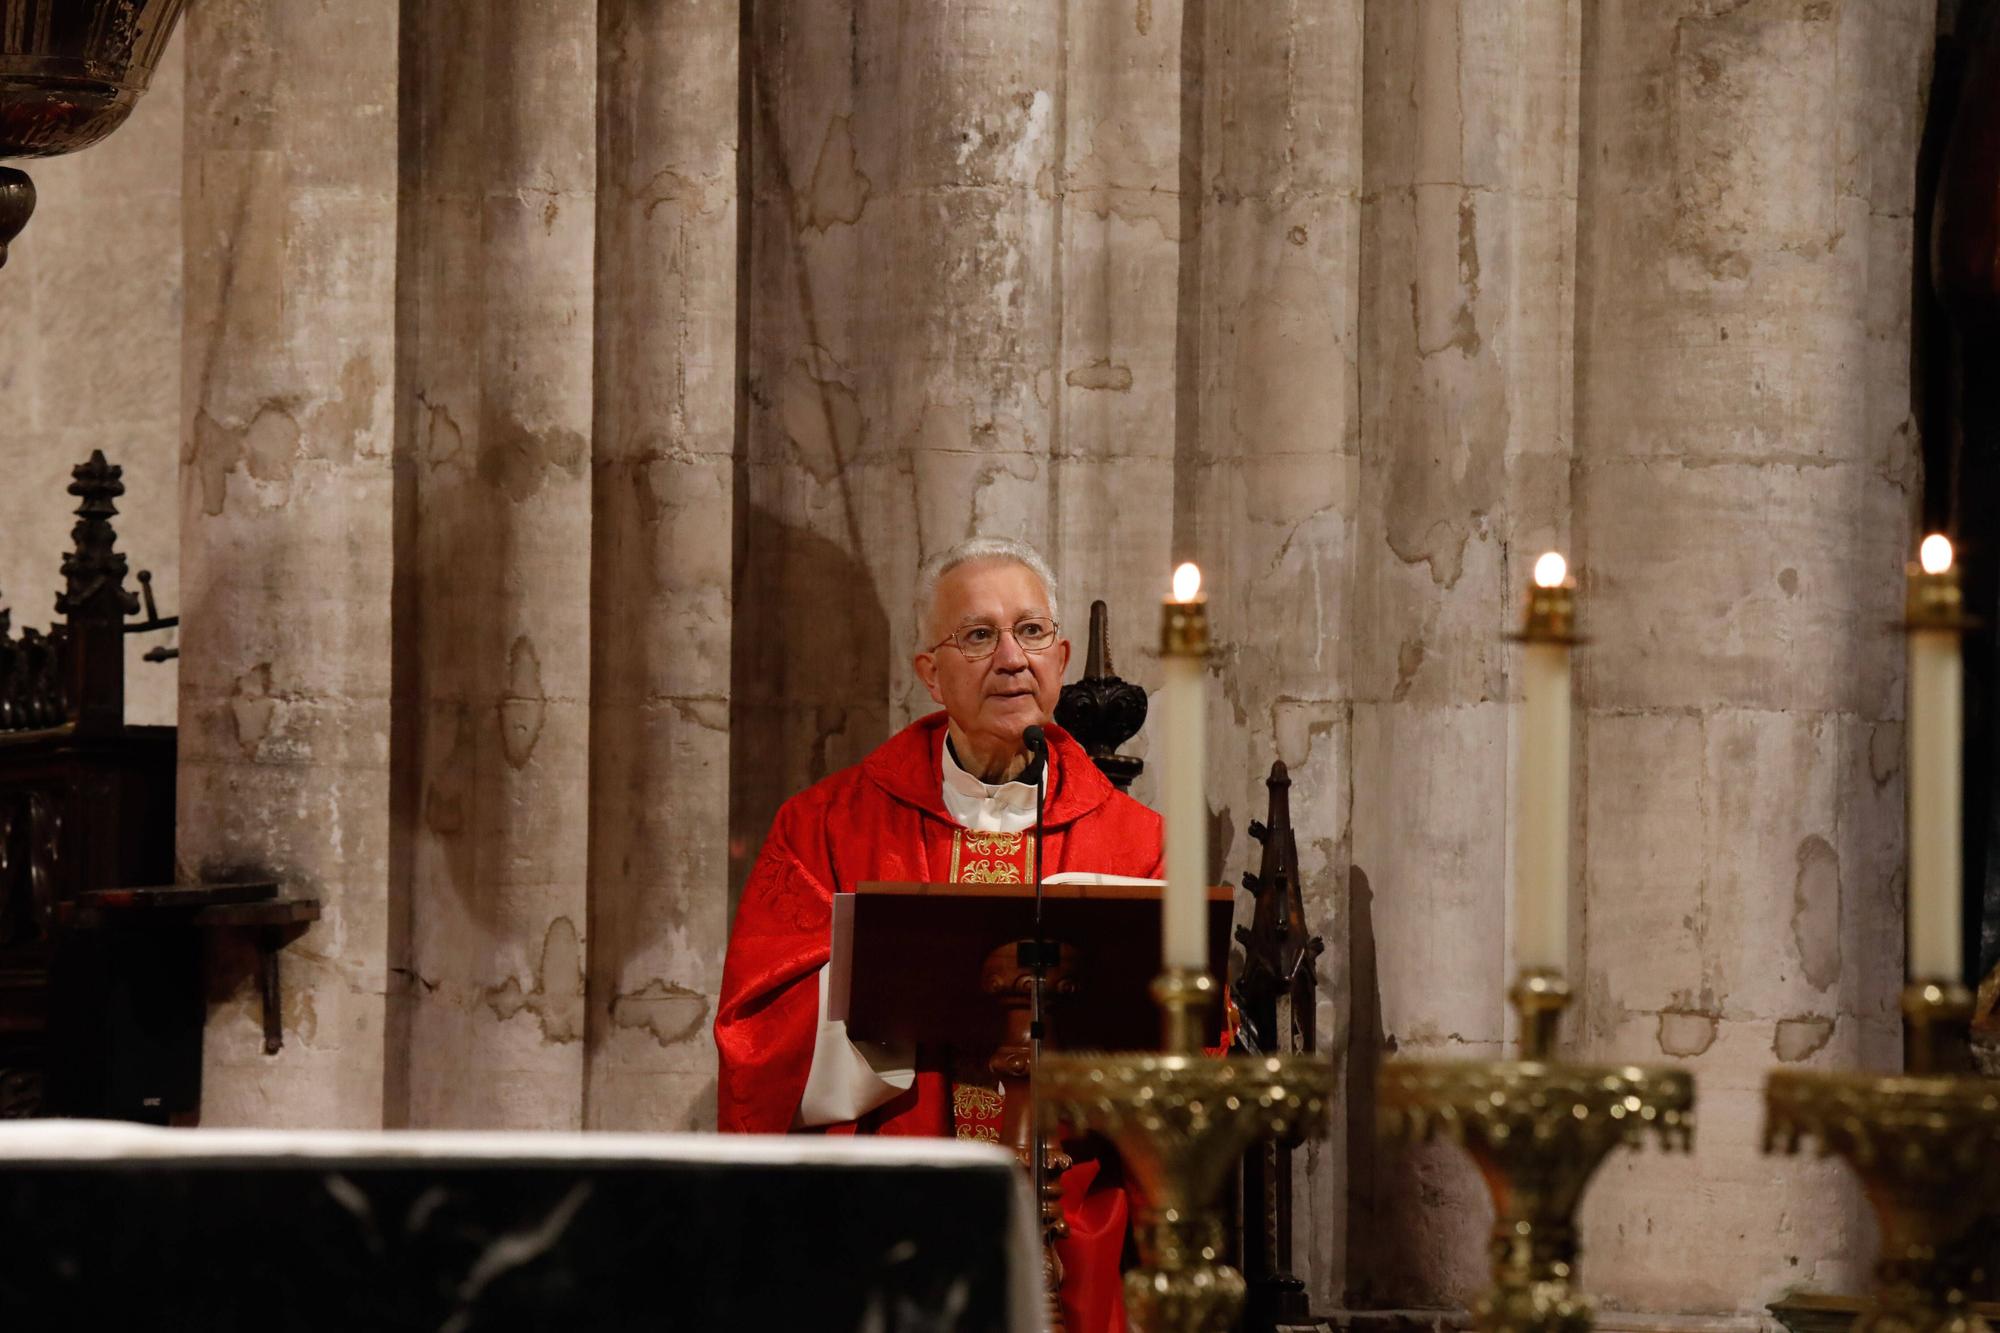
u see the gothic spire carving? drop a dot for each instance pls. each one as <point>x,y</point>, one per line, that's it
<point>94,571</point>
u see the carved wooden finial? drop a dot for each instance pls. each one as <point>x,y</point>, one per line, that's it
<point>1098,662</point>
<point>94,571</point>
<point>1102,711</point>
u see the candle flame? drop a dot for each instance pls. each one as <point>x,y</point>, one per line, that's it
<point>1551,570</point>
<point>1935,553</point>
<point>1187,582</point>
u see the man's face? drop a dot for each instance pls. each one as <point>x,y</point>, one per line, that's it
<point>992,699</point>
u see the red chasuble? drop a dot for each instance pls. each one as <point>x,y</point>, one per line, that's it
<point>884,819</point>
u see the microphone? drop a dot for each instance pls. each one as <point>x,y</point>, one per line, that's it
<point>1038,746</point>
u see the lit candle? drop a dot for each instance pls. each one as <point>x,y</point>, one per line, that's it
<point>1541,833</point>
<point>1183,655</point>
<point>1937,702</point>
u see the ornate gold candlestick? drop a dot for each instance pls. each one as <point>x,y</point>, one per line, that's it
<point>1538,1130</point>
<point>1927,1148</point>
<point>1180,1120</point>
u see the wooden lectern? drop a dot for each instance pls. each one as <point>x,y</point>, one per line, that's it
<point>908,958</point>
<point>950,965</point>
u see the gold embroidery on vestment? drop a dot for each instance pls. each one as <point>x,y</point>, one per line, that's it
<point>972,1104</point>
<point>995,858</point>
<point>993,844</point>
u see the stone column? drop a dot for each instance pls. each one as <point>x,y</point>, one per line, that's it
<point>1112,388</point>
<point>968,325</point>
<point>902,354</point>
<point>497,339</point>
<point>663,488</point>
<point>810,661</point>
<point>1267,466</point>
<point>287,529</point>
<point>1465,312</point>
<point>1743,492</point>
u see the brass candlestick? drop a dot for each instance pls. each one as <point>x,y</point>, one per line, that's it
<point>1538,1130</point>
<point>1180,1120</point>
<point>1926,1144</point>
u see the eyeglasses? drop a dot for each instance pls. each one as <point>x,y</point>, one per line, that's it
<point>1035,634</point>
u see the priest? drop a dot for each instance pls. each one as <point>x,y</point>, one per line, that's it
<point>940,801</point>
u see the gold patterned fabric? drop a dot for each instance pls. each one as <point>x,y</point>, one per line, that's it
<point>975,1112</point>
<point>991,858</point>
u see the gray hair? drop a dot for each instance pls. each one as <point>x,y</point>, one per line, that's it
<point>979,548</point>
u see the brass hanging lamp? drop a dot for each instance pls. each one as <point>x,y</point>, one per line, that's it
<point>70,73</point>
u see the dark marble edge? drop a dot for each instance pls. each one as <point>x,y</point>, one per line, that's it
<point>448,1162</point>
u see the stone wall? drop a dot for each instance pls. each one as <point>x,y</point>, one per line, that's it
<point>1742,363</point>
<point>457,516</point>
<point>294,707</point>
<point>553,485</point>
<point>1454,284</point>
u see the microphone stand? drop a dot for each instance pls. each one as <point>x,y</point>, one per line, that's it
<point>1039,767</point>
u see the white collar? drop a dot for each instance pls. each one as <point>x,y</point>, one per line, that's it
<point>998,807</point>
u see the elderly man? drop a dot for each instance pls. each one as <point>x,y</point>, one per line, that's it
<point>938,801</point>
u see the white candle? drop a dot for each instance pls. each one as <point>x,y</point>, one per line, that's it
<point>1937,695</point>
<point>1184,914</point>
<point>1541,833</point>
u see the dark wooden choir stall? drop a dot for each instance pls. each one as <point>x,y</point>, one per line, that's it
<point>101,1004</point>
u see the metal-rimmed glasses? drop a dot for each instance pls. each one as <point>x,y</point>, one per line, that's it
<point>1035,634</point>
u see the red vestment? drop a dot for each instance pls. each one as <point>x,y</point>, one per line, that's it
<point>885,819</point>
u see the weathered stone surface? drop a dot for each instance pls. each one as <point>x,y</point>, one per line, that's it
<point>662,543</point>
<point>1267,433</point>
<point>1116,274</point>
<point>502,212</point>
<point>1728,1238</point>
<point>1465,309</point>
<point>1362,306</point>
<point>287,530</point>
<point>906,362</point>
<point>1741,504</point>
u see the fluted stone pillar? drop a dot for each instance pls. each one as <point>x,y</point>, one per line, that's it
<point>809,660</point>
<point>1267,474</point>
<point>288,538</point>
<point>1466,303</point>
<point>1743,488</point>
<point>901,354</point>
<point>498,358</point>
<point>1122,223</point>
<point>1362,305</point>
<point>967,325</point>
<point>662,556</point>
